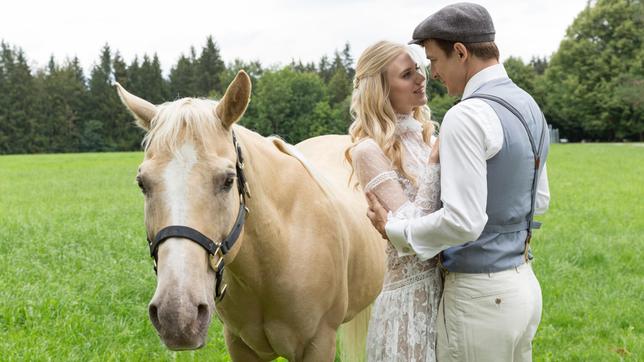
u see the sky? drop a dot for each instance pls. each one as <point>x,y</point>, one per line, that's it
<point>273,32</point>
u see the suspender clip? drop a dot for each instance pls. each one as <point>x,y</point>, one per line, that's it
<point>526,252</point>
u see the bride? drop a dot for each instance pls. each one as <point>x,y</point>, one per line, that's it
<point>392,157</point>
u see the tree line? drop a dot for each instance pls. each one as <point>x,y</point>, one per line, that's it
<point>59,109</point>
<point>591,89</point>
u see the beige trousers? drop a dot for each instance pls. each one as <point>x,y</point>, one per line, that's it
<point>489,317</point>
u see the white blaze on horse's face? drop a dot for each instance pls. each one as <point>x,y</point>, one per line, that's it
<point>176,177</point>
<point>182,305</point>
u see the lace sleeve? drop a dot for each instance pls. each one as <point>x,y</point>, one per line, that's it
<point>429,196</point>
<point>379,179</point>
<point>376,174</point>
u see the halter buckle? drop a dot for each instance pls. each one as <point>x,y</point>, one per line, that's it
<point>247,189</point>
<point>221,293</point>
<point>215,264</point>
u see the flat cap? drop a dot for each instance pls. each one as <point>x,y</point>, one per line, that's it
<point>462,22</point>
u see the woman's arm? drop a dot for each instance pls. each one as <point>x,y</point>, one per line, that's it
<point>376,174</point>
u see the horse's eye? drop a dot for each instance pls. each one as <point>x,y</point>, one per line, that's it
<point>228,183</point>
<point>139,181</point>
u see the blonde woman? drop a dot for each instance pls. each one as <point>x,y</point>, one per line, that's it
<point>392,158</point>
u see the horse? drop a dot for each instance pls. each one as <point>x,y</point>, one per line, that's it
<point>283,259</point>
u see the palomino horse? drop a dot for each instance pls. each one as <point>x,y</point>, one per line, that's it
<point>304,260</point>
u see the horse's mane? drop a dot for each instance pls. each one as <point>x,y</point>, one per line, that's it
<point>186,118</point>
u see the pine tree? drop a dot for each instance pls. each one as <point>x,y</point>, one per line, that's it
<point>76,98</point>
<point>157,82</point>
<point>18,114</point>
<point>347,61</point>
<point>5,132</point>
<point>108,125</point>
<point>62,95</point>
<point>183,78</point>
<point>340,86</point>
<point>149,83</point>
<point>210,67</point>
<point>325,71</point>
<point>120,70</point>
<point>338,63</point>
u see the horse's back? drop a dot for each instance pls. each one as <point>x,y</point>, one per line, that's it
<point>326,153</point>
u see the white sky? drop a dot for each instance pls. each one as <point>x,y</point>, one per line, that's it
<point>272,32</point>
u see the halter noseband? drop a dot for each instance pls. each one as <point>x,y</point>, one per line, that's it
<point>212,248</point>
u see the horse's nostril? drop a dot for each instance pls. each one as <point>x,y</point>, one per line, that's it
<point>203,315</point>
<point>154,316</point>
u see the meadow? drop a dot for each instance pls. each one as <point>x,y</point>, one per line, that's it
<point>75,275</point>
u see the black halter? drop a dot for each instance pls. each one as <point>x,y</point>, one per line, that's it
<point>212,248</point>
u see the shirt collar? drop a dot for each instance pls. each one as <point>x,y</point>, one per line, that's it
<point>490,73</point>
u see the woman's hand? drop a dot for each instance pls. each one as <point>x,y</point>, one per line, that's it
<point>434,157</point>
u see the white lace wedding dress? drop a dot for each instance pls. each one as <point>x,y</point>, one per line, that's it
<point>403,319</point>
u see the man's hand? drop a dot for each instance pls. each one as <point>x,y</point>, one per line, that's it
<point>377,214</point>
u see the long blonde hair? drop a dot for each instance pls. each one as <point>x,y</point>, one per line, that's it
<point>371,110</point>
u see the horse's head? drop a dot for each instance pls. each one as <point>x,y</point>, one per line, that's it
<point>188,179</point>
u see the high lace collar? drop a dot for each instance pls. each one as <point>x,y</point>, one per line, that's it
<point>407,123</point>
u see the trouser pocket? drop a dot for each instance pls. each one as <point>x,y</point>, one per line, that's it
<point>449,329</point>
<point>494,311</point>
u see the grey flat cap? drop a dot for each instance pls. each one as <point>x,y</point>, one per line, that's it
<point>463,22</point>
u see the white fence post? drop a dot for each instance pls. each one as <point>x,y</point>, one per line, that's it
<point>554,134</point>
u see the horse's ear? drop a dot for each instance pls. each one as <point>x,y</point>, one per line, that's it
<point>233,104</point>
<point>142,110</point>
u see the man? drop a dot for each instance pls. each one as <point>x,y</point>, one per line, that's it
<point>493,149</point>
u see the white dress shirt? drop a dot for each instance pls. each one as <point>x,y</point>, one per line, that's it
<point>471,133</point>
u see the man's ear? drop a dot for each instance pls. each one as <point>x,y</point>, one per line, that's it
<point>460,51</point>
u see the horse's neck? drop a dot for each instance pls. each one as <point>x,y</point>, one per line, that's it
<point>276,181</point>
<point>271,174</point>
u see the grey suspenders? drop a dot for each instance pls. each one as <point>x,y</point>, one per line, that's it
<point>535,151</point>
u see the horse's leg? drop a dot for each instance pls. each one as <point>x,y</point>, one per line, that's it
<point>322,347</point>
<point>239,351</point>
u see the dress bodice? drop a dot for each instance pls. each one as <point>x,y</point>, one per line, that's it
<point>404,197</point>
<point>403,320</point>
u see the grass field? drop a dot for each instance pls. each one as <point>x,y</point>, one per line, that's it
<point>75,276</point>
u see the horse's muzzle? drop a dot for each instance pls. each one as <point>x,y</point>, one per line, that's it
<point>181,326</point>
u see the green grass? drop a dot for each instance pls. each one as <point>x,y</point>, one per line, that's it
<point>589,255</point>
<point>75,276</point>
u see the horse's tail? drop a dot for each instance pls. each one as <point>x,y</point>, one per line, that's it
<point>353,337</point>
